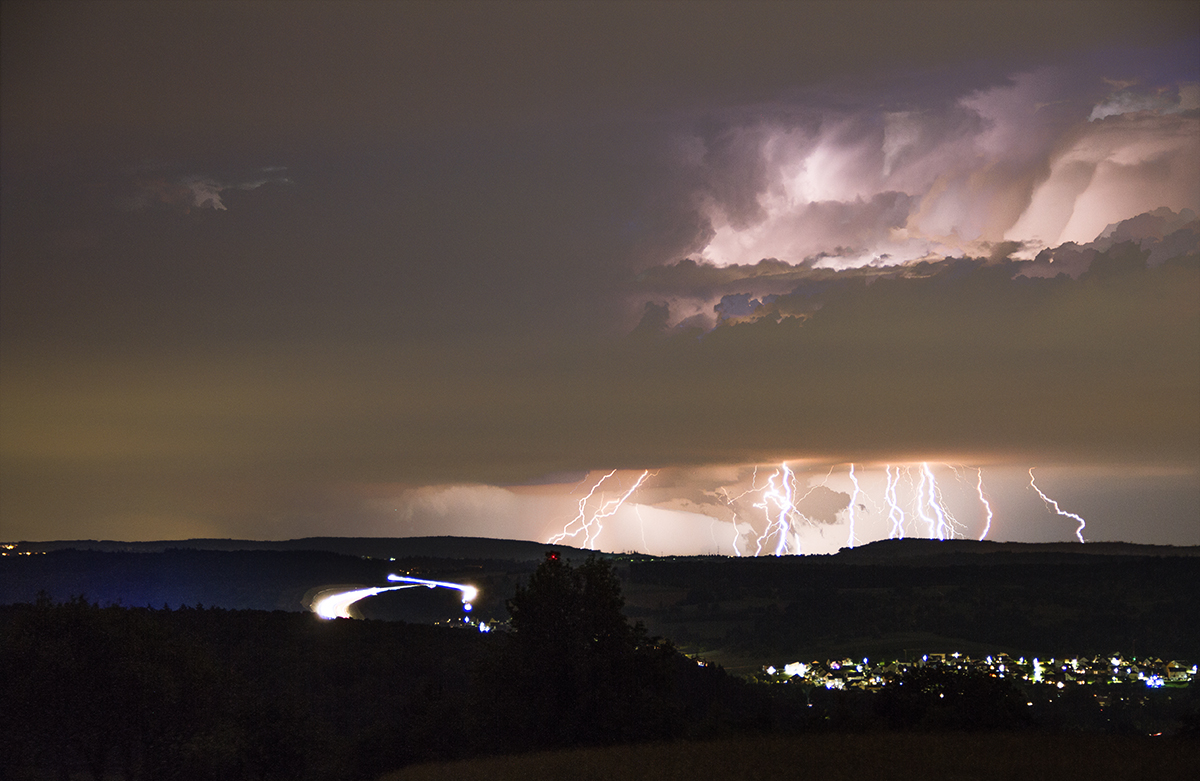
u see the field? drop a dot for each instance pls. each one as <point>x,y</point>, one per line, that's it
<point>898,757</point>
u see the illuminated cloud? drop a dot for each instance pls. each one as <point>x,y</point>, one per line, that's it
<point>471,510</point>
<point>1115,168</point>
<point>1028,160</point>
<point>1162,233</point>
<point>1183,97</point>
<point>704,295</point>
<point>154,188</point>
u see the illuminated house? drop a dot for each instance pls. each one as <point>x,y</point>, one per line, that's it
<point>1177,670</point>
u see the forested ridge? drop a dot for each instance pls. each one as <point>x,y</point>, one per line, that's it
<point>1035,604</point>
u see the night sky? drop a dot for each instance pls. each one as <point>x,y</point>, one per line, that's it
<point>274,270</point>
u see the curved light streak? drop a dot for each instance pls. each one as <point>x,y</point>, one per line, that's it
<point>468,592</point>
<point>337,604</point>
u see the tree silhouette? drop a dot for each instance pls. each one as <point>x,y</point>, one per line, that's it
<point>577,671</point>
<point>565,610</point>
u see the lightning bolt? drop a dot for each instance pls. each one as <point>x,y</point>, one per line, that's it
<point>920,508</point>
<point>610,509</point>
<point>779,497</point>
<point>1051,503</point>
<point>642,527</point>
<point>591,526</point>
<point>737,536</point>
<point>895,514</point>
<point>941,522</point>
<point>853,503</point>
<point>986,505</point>
<point>935,504</point>
<point>729,501</point>
<point>952,527</point>
<point>923,503</point>
<point>581,518</point>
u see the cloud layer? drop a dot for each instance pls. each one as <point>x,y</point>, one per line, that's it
<point>539,238</point>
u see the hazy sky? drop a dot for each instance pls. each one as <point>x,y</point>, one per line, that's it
<point>274,270</point>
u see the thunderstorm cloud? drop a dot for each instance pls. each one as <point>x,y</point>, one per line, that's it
<point>697,238</point>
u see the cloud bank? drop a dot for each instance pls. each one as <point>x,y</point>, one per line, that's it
<point>547,238</point>
<point>1038,160</point>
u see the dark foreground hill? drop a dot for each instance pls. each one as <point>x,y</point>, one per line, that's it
<point>213,693</point>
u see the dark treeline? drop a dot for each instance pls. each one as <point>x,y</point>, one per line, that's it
<point>213,693</point>
<point>1038,603</point>
<point>210,693</point>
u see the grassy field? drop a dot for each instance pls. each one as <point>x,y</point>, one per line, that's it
<point>901,757</point>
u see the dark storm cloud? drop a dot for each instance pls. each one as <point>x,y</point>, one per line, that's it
<point>962,360</point>
<point>213,74</point>
<point>491,196</point>
<point>783,288</point>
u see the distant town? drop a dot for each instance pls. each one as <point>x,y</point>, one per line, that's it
<point>10,549</point>
<point>1057,673</point>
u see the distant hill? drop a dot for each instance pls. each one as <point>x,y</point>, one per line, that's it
<point>934,552</point>
<point>374,547</point>
<point>931,552</point>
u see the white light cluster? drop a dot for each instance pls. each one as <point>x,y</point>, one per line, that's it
<point>337,604</point>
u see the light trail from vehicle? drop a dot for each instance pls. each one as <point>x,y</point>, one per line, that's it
<point>337,603</point>
<point>468,592</point>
